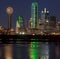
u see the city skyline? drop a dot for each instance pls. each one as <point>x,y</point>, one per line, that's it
<point>23,8</point>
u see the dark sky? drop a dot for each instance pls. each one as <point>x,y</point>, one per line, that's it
<point>23,8</point>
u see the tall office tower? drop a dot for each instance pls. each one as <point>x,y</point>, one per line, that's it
<point>19,24</point>
<point>44,27</point>
<point>44,19</point>
<point>52,23</point>
<point>44,14</point>
<point>34,13</point>
<point>58,26</point>
<point>30,23</point>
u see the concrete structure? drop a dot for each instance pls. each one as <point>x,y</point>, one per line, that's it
<point>9,11</point>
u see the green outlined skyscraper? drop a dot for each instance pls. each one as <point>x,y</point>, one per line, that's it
<point>19,24</point>
<point>34,13</point>
<point>33,50</point>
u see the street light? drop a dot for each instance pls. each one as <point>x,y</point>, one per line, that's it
<point>9,11</point>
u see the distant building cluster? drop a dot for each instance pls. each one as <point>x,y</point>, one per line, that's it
<point>45,25</point>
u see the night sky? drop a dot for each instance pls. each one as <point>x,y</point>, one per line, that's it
<point>23,8</point>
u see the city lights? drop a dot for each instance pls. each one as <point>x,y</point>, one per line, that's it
<point>38,26</point>
<point>45,25</point>
<point>22,33</point>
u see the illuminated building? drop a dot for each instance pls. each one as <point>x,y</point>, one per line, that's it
<point>30,23</point>
<point>44,27</point>
<point>58,26</point>
<point>44,14</point>
<point>12,32</point>
<point>34,14</point>
<point>19,24</point>
<point>44,20</point>
<point>1,29</point>
<point>38,25</point>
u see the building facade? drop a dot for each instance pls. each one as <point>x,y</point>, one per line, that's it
<point>44,24</point>
<point>19,24</point>
<point>34,13</point>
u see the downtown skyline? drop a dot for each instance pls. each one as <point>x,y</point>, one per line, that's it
<point>23,8</point>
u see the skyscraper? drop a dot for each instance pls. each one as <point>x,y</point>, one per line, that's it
<point>52,23</point>
<point>19,24</point>
<point>30,23</point>
<point>34,13</point>
<point>44,20</point>
<point>44,14</point>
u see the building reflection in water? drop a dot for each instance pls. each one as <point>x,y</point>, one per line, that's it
<point>44,50</point>
<point>34,50</point>
<point>1,51</point>
<point>8,51</point>
<point>57,51</point>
